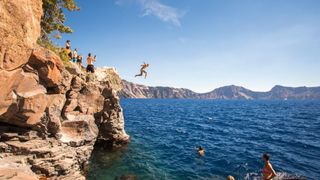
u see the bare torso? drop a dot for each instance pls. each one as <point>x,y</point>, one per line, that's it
<point>89,60</point>
<point>267,171</point>
<point>144,66</point>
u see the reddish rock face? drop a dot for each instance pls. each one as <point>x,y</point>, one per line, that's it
<point>49,116</point>
<point>53,112</point>
<point>111,122</point>
<point>48,65</point>
<point>19,31</point>
<point>22,100</point>
<point>83,99</point>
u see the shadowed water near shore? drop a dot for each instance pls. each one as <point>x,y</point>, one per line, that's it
<point>235,134</point>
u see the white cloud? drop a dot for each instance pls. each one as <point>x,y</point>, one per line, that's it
<point>155,8</point>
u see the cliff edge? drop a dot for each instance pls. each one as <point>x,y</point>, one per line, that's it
<point>51,116</point>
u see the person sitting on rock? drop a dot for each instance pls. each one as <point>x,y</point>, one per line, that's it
<point>75,55</point>
<point>142,70</point>
<point>79,60</point>
<point>267,172</point>
<point>201,151</point>
<point>90,67</point>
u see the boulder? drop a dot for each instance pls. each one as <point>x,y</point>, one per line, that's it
<point>48,65</point>
<point>65,82</point>
<point>74,69</point>
<point>22,100</point>
<point>90,99</point>
<point>79,131</point>
<point>53,112</point>
<point>83,99</point>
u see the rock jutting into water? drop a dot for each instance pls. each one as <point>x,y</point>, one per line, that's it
<point>50,116</point>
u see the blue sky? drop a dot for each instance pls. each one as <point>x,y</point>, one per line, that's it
<point>203,44</point>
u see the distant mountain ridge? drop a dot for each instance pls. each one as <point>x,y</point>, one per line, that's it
<point>232,92</point>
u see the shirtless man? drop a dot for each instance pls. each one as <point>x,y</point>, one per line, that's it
<point>142,70</point>
<point>90,67</point>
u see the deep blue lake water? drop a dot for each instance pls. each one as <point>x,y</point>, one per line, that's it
<point>235,134</point>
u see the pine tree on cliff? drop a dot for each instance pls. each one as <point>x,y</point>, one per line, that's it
<point>52,24</point>
<point>53,19</point>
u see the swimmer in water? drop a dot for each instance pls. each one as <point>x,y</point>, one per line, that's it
<point>201,151</point>
<point>230,178</point>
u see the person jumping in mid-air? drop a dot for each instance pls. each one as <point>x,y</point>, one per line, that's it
<point>142,70</point>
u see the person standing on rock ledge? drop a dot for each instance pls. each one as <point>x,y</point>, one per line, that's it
<point>90,67</point>
<point>68,48</point>
<point>79,60</point>
<point>75,55</point>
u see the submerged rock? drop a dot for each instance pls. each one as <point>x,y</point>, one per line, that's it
<point>128,177</point>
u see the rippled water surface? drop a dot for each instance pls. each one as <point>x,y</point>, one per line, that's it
<point>234,133</point>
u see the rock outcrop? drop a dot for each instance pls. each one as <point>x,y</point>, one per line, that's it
<point>131,90</point>
<point>50,116</point>
<point>49,67</point>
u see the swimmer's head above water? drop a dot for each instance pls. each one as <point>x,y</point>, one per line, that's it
<point>201,150</point>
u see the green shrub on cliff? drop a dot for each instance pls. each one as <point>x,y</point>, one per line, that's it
<point>61,52</point>
<point>52,24</point>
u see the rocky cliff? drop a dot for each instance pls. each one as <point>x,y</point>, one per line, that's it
<point>131,90</point>
<point>51,116</point>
